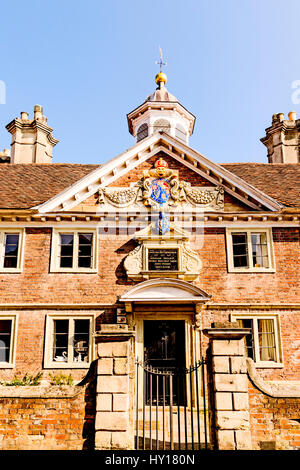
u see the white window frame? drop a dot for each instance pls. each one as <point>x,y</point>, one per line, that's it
<point>48,362</point>
<point>251,269</point>
<point>13,340</point>
<point>278,346</point>
<point>21,233</point>
<point>55,251</point>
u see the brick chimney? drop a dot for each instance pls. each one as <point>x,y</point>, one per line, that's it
<point>283,139</point>
<point>32,140</point>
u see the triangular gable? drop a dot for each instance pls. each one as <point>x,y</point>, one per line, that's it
<point>114,169</point>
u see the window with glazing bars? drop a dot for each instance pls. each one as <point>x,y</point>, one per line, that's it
<point>11,250</point>
<point>71,340</point>
<point>5,340</point>
<point>250,250</point>
<point>262,344</point>
<point>76,250</point>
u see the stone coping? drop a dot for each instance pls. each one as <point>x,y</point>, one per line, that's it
<point>280,389</point>
<point>226,333</point>
<point>40,391</point>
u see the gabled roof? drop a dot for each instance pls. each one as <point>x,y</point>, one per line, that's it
<point>23,186</point>
<point>281,181</point>
<point>141,152</point>
<point>59,186</point>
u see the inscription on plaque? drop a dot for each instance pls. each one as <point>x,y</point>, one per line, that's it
<point>160,259</point>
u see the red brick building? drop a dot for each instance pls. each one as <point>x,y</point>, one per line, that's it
<point>160,244</point>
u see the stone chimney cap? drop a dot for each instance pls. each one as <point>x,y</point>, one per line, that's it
<point>24,115</point>
<point>292,115</point>
<point>279,117</point>
<point>5,153</point>
<point>38,107</point>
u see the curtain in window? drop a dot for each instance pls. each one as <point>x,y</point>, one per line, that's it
<point>266,337</point>
<point>259,250</point>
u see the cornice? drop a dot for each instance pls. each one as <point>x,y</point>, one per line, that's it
<point>56,306</point>
<point>250,306</point>
<point>123,218</point>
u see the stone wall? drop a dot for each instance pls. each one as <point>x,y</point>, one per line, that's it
<point>248,411</point>
<point>274,413</point>
<point>47,418</point>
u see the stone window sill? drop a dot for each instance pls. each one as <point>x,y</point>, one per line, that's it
<point>268,365</point>
<point>67,365</point>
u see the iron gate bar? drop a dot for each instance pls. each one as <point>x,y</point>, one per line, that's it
<point>164,384</point>
<point>178,412</point>
<point>137,405</point>
<point>150,437</point>
<point>144,405</point>
<point>191,395</point>
<point>204,406</point>
<point>171,412</point>
<point>156,412</point>
<point>168,391</point>
<point>198,410</point>
<point>185,421</point>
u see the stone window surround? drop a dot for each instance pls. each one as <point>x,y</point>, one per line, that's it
<point>12,353</point>
<point>21,232</point>
<point>55,253</point>
<point>250,269</point>
<point>263,316</point>
<point>48,363</point>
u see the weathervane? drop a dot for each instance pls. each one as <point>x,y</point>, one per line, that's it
<point>161,62</point>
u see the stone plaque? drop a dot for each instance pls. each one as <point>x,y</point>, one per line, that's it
<point>163,259</point>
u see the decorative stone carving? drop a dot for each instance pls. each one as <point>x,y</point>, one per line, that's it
<point>205,197</point>
<point>160,186</point>
<point>119,197</point>
<point>161,189</point>
<point>133,263</point>
<point>190,261</point>
<point>136,262</point>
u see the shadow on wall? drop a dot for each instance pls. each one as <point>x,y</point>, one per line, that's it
<point>88,432</point>
<point>120,270</point>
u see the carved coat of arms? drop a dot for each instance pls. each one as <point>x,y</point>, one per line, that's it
<point>161,189</point>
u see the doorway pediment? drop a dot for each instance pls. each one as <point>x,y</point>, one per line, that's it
<point>166,291</point>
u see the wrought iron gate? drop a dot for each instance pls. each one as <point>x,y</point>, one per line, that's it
<point>171,408</point>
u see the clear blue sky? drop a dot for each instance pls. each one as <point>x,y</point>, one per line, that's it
<point>230,62</point>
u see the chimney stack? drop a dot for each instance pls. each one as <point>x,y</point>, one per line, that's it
<point>283,139</point>
<point>32,140</point>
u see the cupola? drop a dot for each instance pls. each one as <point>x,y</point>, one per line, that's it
<point>161,111</point>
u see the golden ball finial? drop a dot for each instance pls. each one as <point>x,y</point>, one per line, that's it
<point>161,77</point>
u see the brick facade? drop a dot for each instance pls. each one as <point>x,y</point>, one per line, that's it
<point>274,422</point>
<point>48,418</point>
<point>36,292</point>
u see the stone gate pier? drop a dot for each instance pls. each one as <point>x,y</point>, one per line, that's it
<point>114,422</point>
<point>230,386</point>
